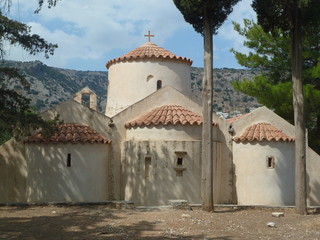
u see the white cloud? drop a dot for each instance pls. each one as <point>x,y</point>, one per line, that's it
<point>91,30</point>
<point>242,10</point>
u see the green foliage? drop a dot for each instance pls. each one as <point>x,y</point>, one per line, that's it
<point>18,33</point>
<point>193,12</point>
<point>280,14</point>
<point>17,118</point>
<point>270,53</point>
<point>275,96</point>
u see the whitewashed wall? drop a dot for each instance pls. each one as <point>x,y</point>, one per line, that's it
<point>158,133</point>
<point>163,183</point>
<point>256,184</point>
<point>130,82</point>
<point>13,172</point>
<point>50,180</point>
<point>313,177</point>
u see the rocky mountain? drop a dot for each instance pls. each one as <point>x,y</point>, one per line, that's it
<point>50,86</point>
<point>227,102</point>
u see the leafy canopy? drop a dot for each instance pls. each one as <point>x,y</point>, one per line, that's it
<point>273,14</point>
<point>193,12</point>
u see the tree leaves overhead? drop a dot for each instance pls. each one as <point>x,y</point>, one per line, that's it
<point>17,117</point>
<point>5,5</point>
<point>17,33</point>
<point>279,13</point>
<point>193,12</point>
<point>275,96</point>
<point>269,51</point>
<point>51,3</point>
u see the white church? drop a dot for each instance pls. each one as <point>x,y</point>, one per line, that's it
<point>146,148</point>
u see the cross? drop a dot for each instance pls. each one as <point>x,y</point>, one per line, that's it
<point>149,36</point>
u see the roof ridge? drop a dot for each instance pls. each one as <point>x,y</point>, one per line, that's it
<point>170,114</point>
<point>149,51</point>
<point>263,131</point>
<point>70,132</point>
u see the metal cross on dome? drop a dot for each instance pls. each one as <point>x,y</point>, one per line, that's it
<point>149,36</point>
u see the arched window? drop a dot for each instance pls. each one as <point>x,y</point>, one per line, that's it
<point>149,78</point>
<point>159,84</point>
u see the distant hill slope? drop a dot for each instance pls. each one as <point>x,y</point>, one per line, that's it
<point>51,86</point>
<point>225,98</point>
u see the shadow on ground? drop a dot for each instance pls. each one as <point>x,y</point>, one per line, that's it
<point>81,223</point>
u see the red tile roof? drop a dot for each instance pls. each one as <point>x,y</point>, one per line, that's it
<point>149,51</point>
<point>165,115</point>
<point>70,133</point>
<point>263,131</point>
<point>232,120</point>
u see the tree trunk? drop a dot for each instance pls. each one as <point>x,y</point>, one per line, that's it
<point>207,86</point>
<point>299,119</point>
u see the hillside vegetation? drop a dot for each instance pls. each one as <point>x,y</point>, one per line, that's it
<point>225,98</point>
<point>50,86</point>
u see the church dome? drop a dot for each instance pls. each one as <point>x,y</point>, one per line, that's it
<point>141,72</point>
<point>149,51</point>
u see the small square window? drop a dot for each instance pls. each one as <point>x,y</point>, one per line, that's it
<point>270,162</point>
<point>180,161</point>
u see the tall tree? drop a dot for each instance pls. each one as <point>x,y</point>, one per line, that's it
<point>294,16</point>
<point>206,16</point>
<point>16,114</point>
<point>270,56</point>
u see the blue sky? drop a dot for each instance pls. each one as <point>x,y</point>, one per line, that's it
<point>90,33</point>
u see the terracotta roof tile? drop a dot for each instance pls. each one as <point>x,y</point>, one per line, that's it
<point>149,51</point>
<point>165,115</point>
<point>70,133</point>
<point>232,120</point>
<point>263,131</point>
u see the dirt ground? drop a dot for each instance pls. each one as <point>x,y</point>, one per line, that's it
<point>100,222</point>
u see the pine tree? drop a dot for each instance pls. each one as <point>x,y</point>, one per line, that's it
<point>206,16</point>
<point>297,17</point>
<point>270,56</point>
